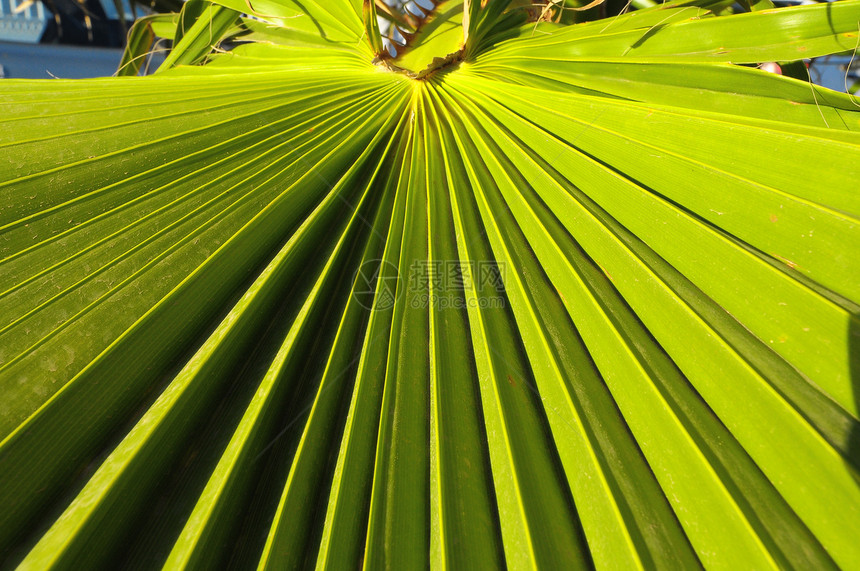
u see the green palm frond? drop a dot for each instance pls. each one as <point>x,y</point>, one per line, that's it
<point>544,296</point>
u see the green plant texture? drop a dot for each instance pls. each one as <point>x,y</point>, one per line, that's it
<point>529,295</point>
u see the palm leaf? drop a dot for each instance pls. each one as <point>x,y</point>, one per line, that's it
<point>579,296</point>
